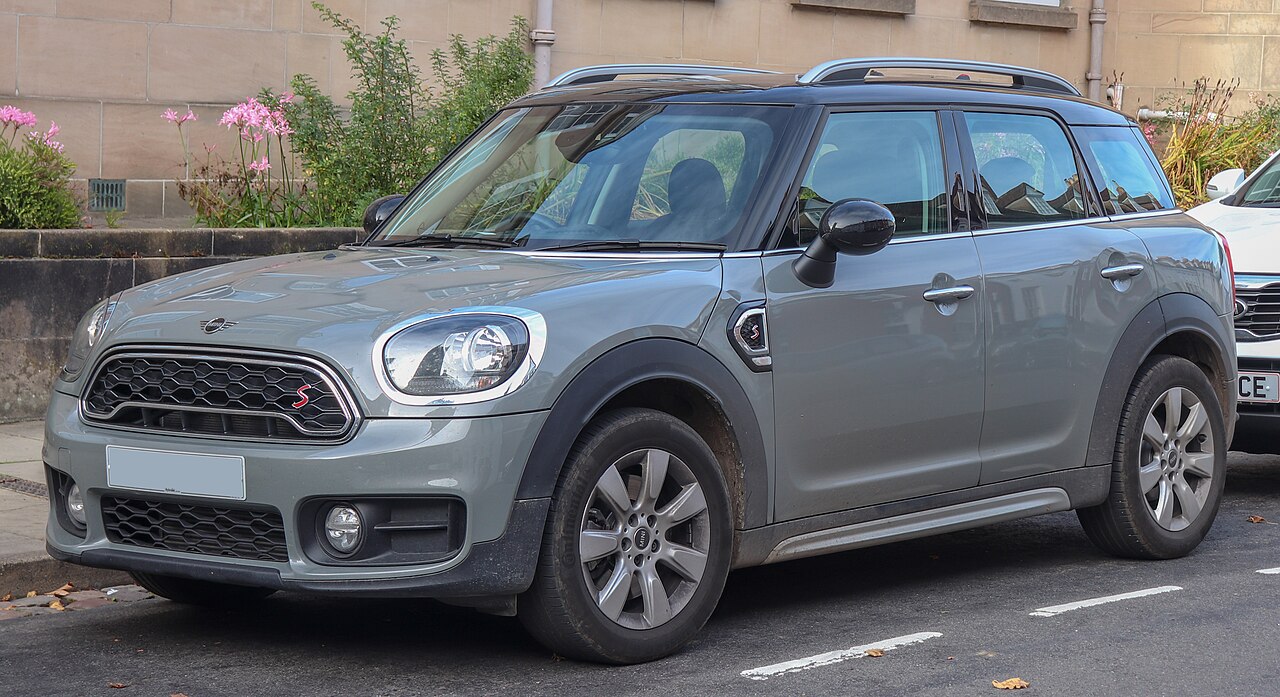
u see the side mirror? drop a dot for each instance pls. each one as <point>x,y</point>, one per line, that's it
<point>852,226</point>
<point>1224,184</point>
<point>380,210</point>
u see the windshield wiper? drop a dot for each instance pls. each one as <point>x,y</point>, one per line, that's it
<point>604,245</point>
<point>434,239</point>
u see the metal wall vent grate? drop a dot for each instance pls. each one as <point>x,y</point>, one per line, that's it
<point>106,194</point>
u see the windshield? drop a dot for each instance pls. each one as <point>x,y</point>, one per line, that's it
<point>1265,190</point>
<point>579,174</point>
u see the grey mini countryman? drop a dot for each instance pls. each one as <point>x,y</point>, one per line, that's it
<point>653,323</point>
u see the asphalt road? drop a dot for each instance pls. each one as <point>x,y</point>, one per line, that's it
<point>965,598</point>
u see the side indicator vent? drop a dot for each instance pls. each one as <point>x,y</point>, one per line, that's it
<point>749,334</point>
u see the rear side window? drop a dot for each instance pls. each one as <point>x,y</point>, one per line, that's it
<point>1124,168</point>
<point>892,158</point>
<point>1028,170</point>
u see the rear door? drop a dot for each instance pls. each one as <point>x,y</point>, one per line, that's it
<point>878,390</point>
<point>1062,282</point>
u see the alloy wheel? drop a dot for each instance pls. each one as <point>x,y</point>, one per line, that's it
<point>644,540</point>
<point>1178,459</point>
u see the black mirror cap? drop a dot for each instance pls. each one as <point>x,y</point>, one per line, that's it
<point>380,210</point>
<point>850,226</point>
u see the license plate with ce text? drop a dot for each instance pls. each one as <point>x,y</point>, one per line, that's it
<point>1259,387</point>
<point>168,472</point>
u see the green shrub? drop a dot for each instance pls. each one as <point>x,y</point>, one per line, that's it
<point>35,177</point>
<point>396,129</point>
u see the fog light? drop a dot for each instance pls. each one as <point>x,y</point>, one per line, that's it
<point>75,505</point>
<point>342,529</point>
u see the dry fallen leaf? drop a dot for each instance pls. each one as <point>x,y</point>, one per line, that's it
<point>178,694</point>
<point>1010,684</point>
<point>7,597</point>
<point>31,594</point>
<point>56,605</point>
<point>63,591</point>
<point>116,685</point>
<point>1256,519</point>
<point>875,653</point>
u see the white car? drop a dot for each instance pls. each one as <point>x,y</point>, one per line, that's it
<point>1246,211</point>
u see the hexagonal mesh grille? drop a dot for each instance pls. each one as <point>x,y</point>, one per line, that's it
<point>179,527</point>
<point>225,397</point>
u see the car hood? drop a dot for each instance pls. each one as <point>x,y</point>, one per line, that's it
<point>334,305</point>
<point>1253,233</point>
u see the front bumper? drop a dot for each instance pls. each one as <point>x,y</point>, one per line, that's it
<point>478,461</point>
<point>1258,428</point>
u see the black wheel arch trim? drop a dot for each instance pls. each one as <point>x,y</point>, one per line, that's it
<point>631,364</point>
<point>1160,319</point>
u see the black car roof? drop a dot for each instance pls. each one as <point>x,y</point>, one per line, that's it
<point>785,89</point>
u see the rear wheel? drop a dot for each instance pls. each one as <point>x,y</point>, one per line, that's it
<point>1169,466</point>
<point>637,545</point>
<point>192,592</point>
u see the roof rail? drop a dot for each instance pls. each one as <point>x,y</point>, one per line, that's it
<point>857,69</point>
<point>607,73</point>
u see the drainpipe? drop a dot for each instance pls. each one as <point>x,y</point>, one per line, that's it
<point>1097,24</point>
<point>543,36</point>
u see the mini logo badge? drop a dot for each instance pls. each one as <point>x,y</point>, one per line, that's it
<point>302,392</point>
<point>215,325</point>
<point>1242,308</point>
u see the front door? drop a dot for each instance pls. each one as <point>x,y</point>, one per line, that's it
<point>878,379</point>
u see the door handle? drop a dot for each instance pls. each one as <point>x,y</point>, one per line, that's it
<point>1124,271</point>
<point>948,295</point>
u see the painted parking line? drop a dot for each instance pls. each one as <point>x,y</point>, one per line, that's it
<point>833,657</point>
<point>1270,571</point>
<point>1053,610</point>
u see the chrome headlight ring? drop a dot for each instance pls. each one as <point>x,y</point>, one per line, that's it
<point>534,325</point>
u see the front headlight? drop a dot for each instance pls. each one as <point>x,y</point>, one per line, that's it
<point>456,354</point>
<point>90,331</point>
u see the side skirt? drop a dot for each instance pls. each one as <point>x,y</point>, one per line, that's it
<point>923,516</point>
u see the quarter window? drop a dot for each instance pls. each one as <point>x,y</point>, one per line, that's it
<point>1128,179</point>
<point>892,158</point>
<point>1028,170</point>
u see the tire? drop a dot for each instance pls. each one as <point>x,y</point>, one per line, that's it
<point>204,593</point>
<point>1165,492</point>
<point>570,607</point>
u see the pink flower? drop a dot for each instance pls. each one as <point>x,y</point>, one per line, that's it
<point>174,117</point>
<point>260,165</point>
<point>170,115</point>
<point>15,116</point>
<point>287,98</point>
<point>189,116</point>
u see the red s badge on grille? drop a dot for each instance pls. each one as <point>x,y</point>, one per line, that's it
<point>302,392</point>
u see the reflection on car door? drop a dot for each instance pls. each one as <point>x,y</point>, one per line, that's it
<point>878,391</point>
<point>1061,286</point>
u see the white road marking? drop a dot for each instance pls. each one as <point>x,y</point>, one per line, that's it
<point>1068,607</point>
<point>1270,571</point>
<point>833,657</point>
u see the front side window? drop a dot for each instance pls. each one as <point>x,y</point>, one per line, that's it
<point>1264,192</point>
<point>1128,179</point>
<point>1028,170</point>
<point>546,177</point>
<point>892,158</point>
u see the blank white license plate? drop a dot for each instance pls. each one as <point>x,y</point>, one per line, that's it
<point>1259,387</point>
<point>217,476</point>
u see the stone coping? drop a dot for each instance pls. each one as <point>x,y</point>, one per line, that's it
<point>167,243</point>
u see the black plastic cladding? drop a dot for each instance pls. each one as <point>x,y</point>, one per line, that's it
<point>243,533</point>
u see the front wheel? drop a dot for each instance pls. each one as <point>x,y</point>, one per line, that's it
<point>1169,466</point>
<point>637,545</point>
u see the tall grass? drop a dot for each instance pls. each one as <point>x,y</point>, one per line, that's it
<point>1204,140</point>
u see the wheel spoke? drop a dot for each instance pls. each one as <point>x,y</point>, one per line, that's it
<point>657,607</point>
<point>686,561</point>
<point>1197,417</point>
<point>1199,464</point>
<point>1149,476</point>
<point>655,475</point>
<point>1153,432</point>
<point>1164,505</point>
<point>1187,497</point>
<point>616,592</point>
<point>1172,411</point>
<point>614,491</point>
<point>687,504</point>
<point>597,544</point>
